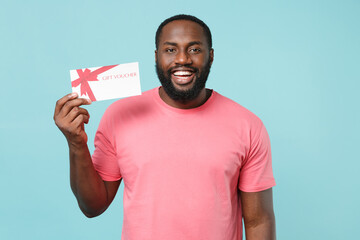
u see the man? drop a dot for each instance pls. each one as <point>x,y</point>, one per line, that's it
<point>194,163</point>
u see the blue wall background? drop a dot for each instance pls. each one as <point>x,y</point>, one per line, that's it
<point>293,63</point>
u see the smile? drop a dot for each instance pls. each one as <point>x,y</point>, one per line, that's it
<point>182,77</point>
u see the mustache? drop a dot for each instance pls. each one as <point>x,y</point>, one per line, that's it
<point>182,66</point>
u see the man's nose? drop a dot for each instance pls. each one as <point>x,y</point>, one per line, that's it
<point>183,58</point>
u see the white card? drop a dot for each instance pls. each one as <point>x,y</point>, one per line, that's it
<point>108,82</point>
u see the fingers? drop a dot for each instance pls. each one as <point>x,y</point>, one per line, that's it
<point>68,109</point>
<point>60,103</point>
<point>76,126</point>
<point>66,103</point>
<point>75,112</point>
<point>80,120</point>
<point>73,103</point>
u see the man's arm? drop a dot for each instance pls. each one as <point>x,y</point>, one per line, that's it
<point>92,193</point>
<point>258,214</point>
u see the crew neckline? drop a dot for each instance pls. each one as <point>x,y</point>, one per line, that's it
<point>163,104</point>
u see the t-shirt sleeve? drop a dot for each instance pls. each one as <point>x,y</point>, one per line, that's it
<point>256,171</point>
<point>104,158</point>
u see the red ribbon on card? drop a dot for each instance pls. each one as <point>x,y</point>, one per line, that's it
<point>85,76</point>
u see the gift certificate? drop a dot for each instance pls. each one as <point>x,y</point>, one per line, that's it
<point>107,82</point>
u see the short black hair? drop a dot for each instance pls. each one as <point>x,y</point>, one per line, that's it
<point>184,17</point>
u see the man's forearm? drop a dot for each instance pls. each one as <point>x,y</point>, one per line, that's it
<point>264,230</point>
<point>86,184</point>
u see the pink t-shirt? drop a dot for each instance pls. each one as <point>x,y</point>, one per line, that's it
<point>182,169</point>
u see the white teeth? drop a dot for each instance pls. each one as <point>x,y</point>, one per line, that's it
<point>182,73</point>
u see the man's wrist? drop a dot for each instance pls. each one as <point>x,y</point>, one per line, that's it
<point>77,147</point>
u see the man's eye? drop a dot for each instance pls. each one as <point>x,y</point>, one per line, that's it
<point>170,50</point>
<point>195,50</point>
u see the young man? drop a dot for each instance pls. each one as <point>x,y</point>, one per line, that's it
<point>194,163</point>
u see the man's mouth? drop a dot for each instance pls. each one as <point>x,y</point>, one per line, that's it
<point>182,77</point>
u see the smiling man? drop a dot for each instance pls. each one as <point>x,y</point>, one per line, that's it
<point>194,163</point>
<point>183,60</point>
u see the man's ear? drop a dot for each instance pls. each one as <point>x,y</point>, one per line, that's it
<point>155,55</point>
<point>211,56</point>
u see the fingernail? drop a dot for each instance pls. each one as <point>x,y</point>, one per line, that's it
<point>74,94</point>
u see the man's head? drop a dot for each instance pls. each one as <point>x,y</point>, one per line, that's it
<point>184,17</point>
<point>183,56</point>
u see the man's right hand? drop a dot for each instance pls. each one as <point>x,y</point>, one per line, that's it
<point>92,193</point>
<point>70,118</point>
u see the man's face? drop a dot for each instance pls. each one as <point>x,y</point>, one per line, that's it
<point>183,59</point>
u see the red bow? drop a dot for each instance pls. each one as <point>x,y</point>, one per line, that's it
<point>86,76</point>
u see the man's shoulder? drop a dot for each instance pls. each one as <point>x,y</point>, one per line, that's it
<point>131,104</point>
<point>235,109</point>
<point>145,97</point>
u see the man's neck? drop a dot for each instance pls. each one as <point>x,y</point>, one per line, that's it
<point>198,101</point>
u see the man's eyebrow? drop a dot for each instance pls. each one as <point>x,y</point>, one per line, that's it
<point>195,43</point>
<point>170,43</point>
<point>190,43</point>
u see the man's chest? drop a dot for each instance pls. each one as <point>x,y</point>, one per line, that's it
<point>200,153</point>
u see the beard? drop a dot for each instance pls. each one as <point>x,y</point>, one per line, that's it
<point>183,95</point>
